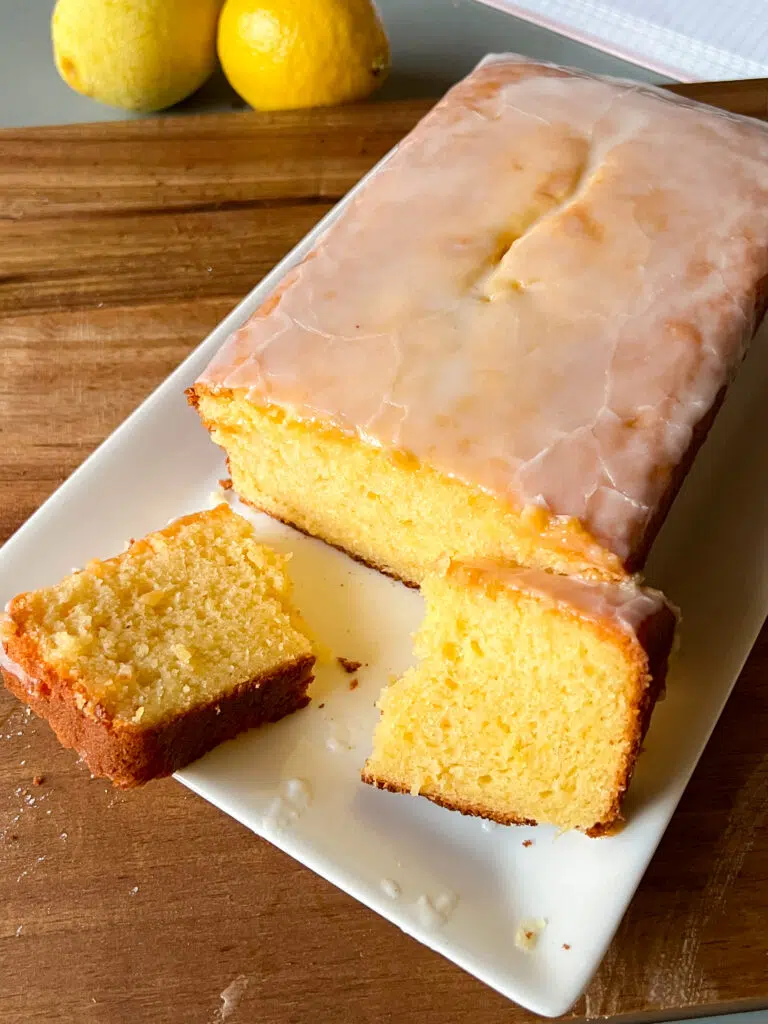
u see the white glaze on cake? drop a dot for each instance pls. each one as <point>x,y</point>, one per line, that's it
<point>541,293</point>
<point>7,663</point>
<point>626,604</point>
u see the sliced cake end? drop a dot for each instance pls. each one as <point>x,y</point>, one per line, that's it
<point>531,699</point>
<point>144,662</point>
<point>384,507</point>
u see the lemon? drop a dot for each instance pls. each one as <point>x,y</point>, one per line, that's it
<point>135,54</point>
<point>283,54</point>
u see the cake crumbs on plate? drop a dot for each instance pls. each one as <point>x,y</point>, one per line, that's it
<point>527,842</point>
<point>433,912</point>
<point>390,888</point>
<point>349,665</point>
<point>354,683</point>
<point>566,945</point>
<point>528,933</point>
<point>319,706</point>
<point>225,484</point>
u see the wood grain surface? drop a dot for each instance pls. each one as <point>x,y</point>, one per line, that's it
<point>121,246</point>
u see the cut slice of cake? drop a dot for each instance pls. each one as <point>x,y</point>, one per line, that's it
<point>146,661</point>
<point>512,341</point>
<point>532,698</point>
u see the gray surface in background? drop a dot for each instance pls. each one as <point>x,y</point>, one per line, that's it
<point>434,43</point>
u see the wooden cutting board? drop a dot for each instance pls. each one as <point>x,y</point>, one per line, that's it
<point>121,246</point>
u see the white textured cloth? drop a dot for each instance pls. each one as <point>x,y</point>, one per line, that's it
<point>690,40</point>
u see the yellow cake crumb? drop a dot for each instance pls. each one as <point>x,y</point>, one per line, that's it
<point>179,619</point>
<point>386,508</point>
<point>519,711</point>
<point>528,933</point>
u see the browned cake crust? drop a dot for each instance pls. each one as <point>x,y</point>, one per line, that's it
<point>655,639</point>
<point>130,755</point>
<point>471,810</point>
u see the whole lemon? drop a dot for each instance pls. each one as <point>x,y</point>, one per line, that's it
<point>283,54</point>
<point>135,54</point>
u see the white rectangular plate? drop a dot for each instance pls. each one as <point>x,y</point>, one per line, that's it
<point>463,888</point>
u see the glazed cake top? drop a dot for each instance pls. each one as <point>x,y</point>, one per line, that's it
<point>624,604</point>
<point>541,292</point>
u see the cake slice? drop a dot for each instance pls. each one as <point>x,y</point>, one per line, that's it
<point>144,662</point>
<point>532,698</point>
<point>511,343</point>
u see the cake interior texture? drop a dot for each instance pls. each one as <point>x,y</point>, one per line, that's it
<point>522,709</point>
<point>384,507</point>
<point>180,620</point>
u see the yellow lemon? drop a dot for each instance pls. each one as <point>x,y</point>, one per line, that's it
<point>283,54</point>
<point>135,54</point>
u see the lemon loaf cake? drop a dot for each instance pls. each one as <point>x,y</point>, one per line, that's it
<point>532,697</point>
<point>511,341</point>
<point>144,662</point>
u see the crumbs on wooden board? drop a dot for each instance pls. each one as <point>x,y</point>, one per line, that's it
<point>231,997</point>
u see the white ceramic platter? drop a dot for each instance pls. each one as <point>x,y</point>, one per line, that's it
<point>451,882</point>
